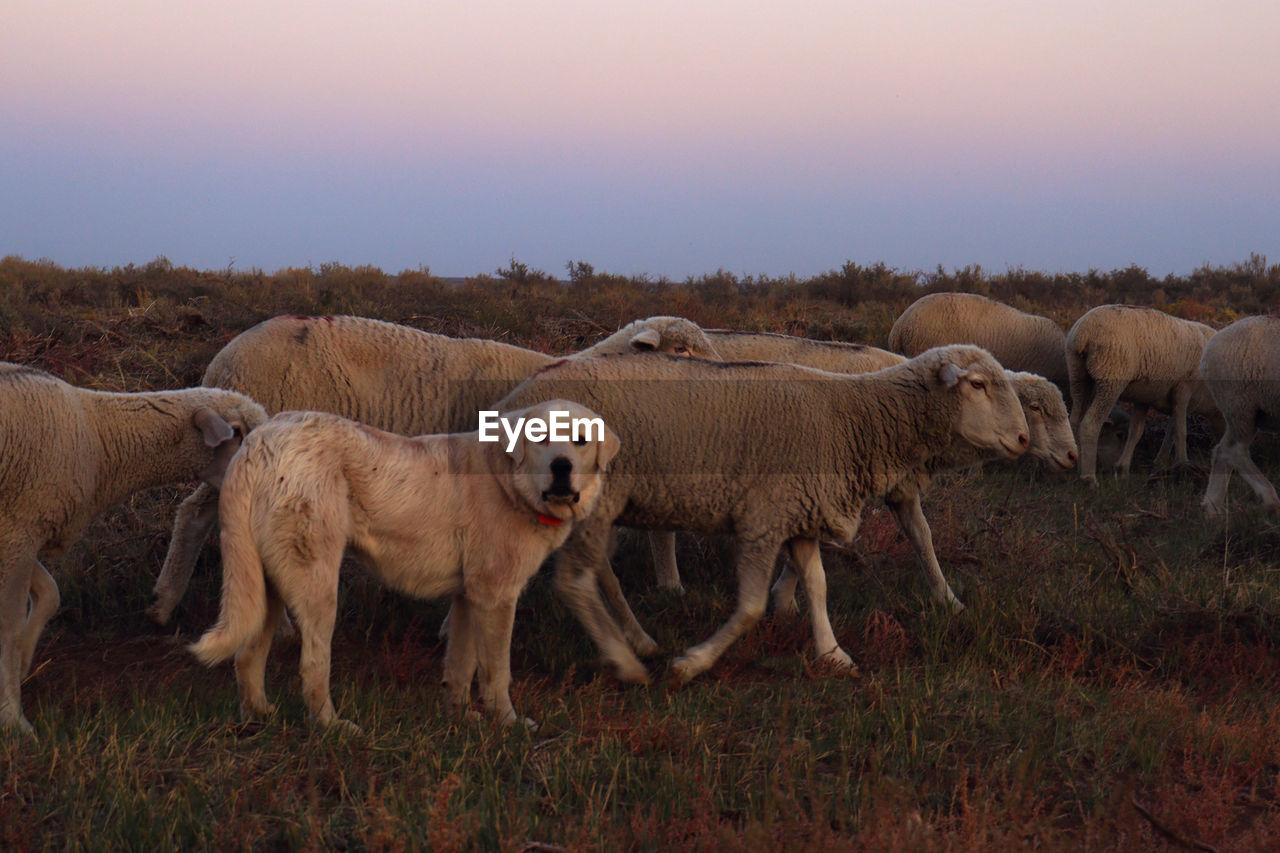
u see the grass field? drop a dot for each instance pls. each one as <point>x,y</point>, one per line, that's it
<point>1112,683</point>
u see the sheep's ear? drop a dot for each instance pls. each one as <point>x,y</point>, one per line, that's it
<point>607,449</point>
<point>646,340</point>
<point>949,374</point>
<point>212,427</point>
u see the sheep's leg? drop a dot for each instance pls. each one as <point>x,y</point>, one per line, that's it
<point>631,627</point>
<point>809,561</point>
<point>191,527</point>
<point>784,592</point>
<point>491,628</point>
<point>251,662</point>
<point>1232,451</point>
<point>16,574</point>
<point>1081,389</point>
<point>915,526</point>
<point>576,580</point>
<point>755,564</point>
<point>663,545</point>
<point>1105,396</point>
<point>1178,427</point>
<point>459,655</point>
<point>1136,424</point>
<point>44,603</point>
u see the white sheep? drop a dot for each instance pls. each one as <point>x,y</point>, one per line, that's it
<point>385,375</point>
<point>1241,368</point>
<point>769,453</point>
<point>69,453</point>
<point>1050,441</point>
<point>1018,340</point>
<point>1042,403</point>
<point>1139,355</point>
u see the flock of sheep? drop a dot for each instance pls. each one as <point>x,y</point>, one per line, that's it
<point>779,442</point>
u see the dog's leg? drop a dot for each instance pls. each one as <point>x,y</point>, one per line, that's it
<point>314,605</point>
<point>755,563</point>
<point>44,603</point>
<point>251,662</point>
<point>191,527</point>
<point>15,585</point>
<point>491,626</point>
<point>459,655</point>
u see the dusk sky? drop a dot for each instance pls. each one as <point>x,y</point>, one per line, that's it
<point>668,138</point>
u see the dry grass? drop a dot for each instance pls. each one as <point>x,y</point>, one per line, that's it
<point>1111,685</point>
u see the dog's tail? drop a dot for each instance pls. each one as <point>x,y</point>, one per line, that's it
<point>244,583</point>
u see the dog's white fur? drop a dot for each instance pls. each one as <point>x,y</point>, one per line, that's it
<point>431,516</point>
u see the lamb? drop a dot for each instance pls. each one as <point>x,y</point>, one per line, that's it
<point>385,375</point>
<point>69,454</point>
<point>769,453</point>
<point>1141,355</point>
<point>1241,367</point>
<point>1018,340</point>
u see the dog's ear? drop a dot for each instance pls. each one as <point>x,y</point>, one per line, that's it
<point>607,449</point>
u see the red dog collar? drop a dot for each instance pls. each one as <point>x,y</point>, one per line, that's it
<point>549,520</point>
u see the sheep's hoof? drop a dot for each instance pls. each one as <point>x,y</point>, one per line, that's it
<point>20,726</point>
<point>684,669</point>
<point>1090,480</point>
<point>631,672</point>
<point>159,615</point>
<point>1215,510</point>
<point>837,659</point>
<point>955,605</point>
<point>786,610</point>
<point>343,728</point>
<point>253,711</point>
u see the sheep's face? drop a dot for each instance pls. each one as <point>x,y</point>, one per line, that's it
<point>561,478</point>
<point>990,417</point>
<point>222,427</point>
<point>672,335</point>
<point>1048,426</point>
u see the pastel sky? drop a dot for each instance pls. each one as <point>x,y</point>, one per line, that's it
<point>668,138</point>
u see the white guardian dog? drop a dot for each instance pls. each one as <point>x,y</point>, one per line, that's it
<point>436,515</point>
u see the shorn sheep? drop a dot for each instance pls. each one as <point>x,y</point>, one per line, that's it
<point>433,515</point>
<point>1241,368</point>
<point>1138,355</point>
<point>385,375</point>
<point>772,454</point>
<point>1018,340</point>
<point>70,453</point>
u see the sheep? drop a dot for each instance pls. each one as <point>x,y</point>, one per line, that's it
<point>1141,355</point>
<point>69,453</point>
<point>1018,340</point>
<point>834,356</point>
<point>1042,403</point>
<point>1241,368</point>
<point>773,454</point>
<point>1050,441</point>
<point>385,375</point>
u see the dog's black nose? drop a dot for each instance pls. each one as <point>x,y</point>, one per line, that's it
<point>561,468</point>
